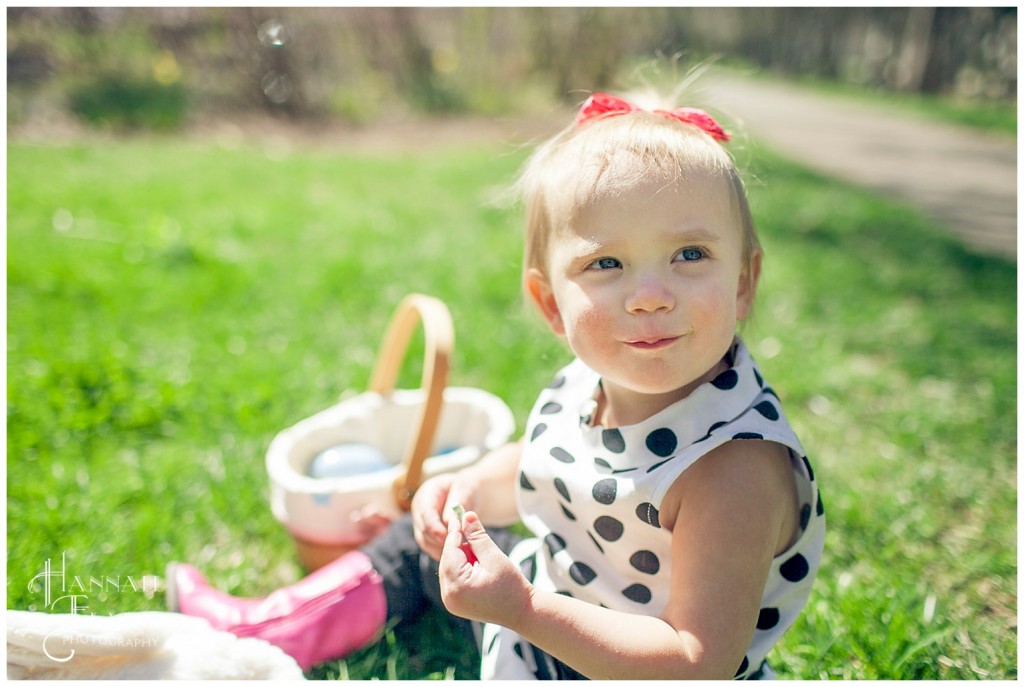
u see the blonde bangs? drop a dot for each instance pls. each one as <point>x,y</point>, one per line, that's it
<point>608,157</point>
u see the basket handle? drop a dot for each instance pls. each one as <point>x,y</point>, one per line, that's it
<point>439,338</point>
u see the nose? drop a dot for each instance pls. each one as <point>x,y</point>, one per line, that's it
<point>649,293</point>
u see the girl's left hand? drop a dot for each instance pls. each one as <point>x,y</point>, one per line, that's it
<point>370,522</point>
<point>491,589</point>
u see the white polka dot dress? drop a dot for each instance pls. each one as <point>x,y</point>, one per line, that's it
<point>591,496</point>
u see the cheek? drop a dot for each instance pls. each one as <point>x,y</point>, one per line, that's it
<point>717,305</point>
<point>586,324</point>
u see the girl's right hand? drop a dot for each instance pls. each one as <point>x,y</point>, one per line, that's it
<point>431,509</point>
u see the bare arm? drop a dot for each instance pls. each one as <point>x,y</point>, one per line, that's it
<point>736,509</point>
<point>492,485</point>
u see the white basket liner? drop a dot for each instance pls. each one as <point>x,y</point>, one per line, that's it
<point>320,510</point>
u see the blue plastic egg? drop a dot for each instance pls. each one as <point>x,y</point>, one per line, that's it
<point>347,460</point>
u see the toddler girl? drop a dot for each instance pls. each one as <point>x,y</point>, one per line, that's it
<point>676,526</point>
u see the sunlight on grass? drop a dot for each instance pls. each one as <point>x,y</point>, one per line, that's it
<point>172,305</point>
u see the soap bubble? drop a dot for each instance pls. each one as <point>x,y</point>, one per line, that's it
<point>272,34</point>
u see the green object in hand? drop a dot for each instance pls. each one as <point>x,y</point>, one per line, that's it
<point>460,513</point>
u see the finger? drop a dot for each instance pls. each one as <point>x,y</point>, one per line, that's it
<point>453,548</point>
<point>430,543</point>
<point>472,527</point>
<point>475,540</point>
<point>428,519</point>
<point>457,495</point>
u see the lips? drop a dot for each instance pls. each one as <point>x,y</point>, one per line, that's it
<point>653,343</point>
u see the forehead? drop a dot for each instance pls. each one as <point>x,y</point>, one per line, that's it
<point>594,169</point>
<point>701,202</point>
<point>613,158</point>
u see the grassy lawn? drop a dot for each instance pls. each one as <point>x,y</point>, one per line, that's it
<point>172,305</point>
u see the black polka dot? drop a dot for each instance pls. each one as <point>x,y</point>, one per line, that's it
<point>743,667</point>
<point>768,409</point>
<point>493,642</point>
<point>581,573</point>
<point>769,390</point>
<point>613,441</point>
<point>820,509</point>
<point>795,569</point>
<point>609,528</point>
<point>645,562</point>
<point>602,464</point>
<point>518,648</point>
<point>562,489</point>
<point>557,383</point>
<point>550,408</point>
<point>711,430</point>
<point>805,515</point>
<point>810,470</point>
<point>658,465</point>
<point>568,513</point>
<point>596,543</point>
<point>767,618</point>
<point>638,593</point>
<point>662,442</point>
<point>554,542</point>
<point>529,567</point>
<point>747,435</point>
<point>562,455</point>
<point>649,514</point>
<point>758,378</point>
<point>538,430</point>
<point>525,483</point>
<point>605,490</point>
<point>727,380</point>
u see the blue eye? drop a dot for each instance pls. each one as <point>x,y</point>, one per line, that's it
<point>605,264</point>
<point>690,254</point>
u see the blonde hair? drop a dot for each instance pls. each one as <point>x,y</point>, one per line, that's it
<point>603,158</point>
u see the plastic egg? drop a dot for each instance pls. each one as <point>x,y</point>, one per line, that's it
<point>347,460</point>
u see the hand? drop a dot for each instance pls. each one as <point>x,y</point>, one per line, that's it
<point>370,521</point>
<point>428,522</point>
<point>489,589</point>
<point>431,509</point>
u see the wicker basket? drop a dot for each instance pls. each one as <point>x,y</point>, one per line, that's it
<point>422,432</point>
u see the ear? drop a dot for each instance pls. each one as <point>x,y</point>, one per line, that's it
<point>747,288</point>
<point>538,287</point>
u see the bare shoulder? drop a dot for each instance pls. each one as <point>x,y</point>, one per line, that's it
<point>745,479</point>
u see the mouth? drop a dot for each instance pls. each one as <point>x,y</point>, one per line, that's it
<point>653,344</point>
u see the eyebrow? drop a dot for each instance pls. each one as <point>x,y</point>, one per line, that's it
<point>697,234</point>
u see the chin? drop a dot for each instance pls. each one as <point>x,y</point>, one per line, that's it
<point>658,386</point>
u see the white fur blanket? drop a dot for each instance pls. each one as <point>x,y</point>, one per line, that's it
<point>146,645</point>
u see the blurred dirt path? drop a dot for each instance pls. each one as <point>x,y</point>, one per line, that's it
<point>965,179</point>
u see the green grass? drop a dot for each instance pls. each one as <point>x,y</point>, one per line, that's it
<point>172,305</point>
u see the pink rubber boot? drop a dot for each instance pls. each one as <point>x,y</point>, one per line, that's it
<point>326,615</point>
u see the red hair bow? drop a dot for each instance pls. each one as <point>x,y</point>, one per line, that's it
<point>603,105</point>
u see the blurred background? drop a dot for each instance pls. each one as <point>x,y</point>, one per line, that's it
<point>176,66</point>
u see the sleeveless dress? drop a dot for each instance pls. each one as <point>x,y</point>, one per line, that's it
<point>591,498</point>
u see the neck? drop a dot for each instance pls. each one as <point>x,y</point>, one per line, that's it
<point>618,406</point>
